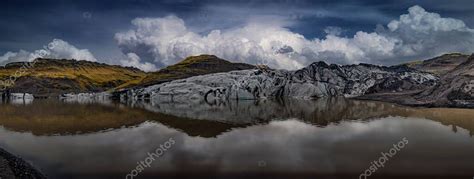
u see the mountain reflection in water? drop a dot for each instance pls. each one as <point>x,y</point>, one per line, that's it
<point>52,117</point>
<point>320,137</point>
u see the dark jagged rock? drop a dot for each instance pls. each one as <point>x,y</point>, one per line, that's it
<point>455,88</point>
<point>14,167</point>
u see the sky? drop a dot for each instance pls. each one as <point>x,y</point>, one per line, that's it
<point>284,34</point>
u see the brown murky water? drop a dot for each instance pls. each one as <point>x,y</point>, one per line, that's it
<point>78,139</point>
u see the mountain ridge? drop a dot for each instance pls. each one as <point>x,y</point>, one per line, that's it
<point>446,87</point>
<point>439,65</point>
<point>455,88</point>
<point>53,77</point>
<point>425,83</point>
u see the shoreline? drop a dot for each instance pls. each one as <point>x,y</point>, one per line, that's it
<point>403,99</point>
<point>12,166</point>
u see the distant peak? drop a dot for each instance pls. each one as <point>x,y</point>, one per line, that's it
<point>320,63</point>
<point>205,56</point>
<point>201,58</point>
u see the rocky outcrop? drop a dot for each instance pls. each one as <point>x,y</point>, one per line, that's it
<point>14,167</point>
<point>439,65</point>
<point>453,89</point>
<point>315,81</point>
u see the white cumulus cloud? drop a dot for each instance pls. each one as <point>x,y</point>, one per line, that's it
<point>416,35</point>
<point>57,48</point>
<point>133,60</point>
<point>421,33</point>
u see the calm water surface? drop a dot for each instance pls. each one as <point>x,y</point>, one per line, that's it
<point>88,139</point>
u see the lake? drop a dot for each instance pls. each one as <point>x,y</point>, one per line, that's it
<point>241,139</point>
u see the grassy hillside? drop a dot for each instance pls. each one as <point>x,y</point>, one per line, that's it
<point>52,77</point>
<point>439,65</point>
<point>191,66</point>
